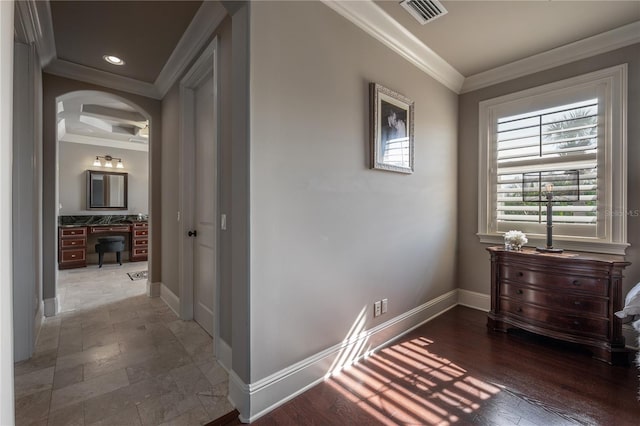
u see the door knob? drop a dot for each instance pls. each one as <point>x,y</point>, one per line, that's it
<point>193,233</point>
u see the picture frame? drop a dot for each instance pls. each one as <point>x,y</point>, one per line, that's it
<point>391,130</point>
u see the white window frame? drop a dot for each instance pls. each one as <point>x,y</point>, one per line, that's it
<point>610,86</point>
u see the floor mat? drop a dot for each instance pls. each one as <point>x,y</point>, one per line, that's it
<point>142,275</point>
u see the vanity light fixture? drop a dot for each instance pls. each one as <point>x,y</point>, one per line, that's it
<point>108,162</point>
<point>113,60</point>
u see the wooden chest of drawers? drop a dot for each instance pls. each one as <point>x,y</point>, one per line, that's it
<point>72,247</point>
<point>139,241</point>
<point>566,296</point>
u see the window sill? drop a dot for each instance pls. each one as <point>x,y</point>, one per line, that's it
<point>584,245</point>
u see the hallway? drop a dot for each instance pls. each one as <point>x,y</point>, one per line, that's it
<point>127,361</point>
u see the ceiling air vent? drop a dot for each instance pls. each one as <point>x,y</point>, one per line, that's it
<point>424,10</point>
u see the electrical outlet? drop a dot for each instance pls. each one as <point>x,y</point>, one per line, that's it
<point>377,307</point>
<point>385,305</point>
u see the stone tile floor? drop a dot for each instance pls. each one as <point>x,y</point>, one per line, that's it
<point>115,357</point>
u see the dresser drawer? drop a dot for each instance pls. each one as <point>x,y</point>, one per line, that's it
<point>72,255</point>
<point>574,324</point>
<point>568,302</point>
<point>140,233</point>
<point>140,251</point>
<point>113,228</point>
<point>67,243</point>
<point>140,225</point>
<point>560,282</point>
<point>140,243</point>
<point>73,232</point>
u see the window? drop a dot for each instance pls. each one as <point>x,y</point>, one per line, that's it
<point>572,134</point>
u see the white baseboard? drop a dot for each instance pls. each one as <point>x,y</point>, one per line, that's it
<point>153,289</point>
<point>256,399</point>
<point>169,298</point>
<point>37,322</point>
<point>224,354</point>
<point>474,300</point>
<point>630,337</point>
<point>51,307</point>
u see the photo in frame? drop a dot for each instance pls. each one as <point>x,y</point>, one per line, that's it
<point>391,130</point>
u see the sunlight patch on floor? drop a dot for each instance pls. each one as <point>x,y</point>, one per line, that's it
<point>407,384</point>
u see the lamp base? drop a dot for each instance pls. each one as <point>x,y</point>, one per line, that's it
<point>549,250</point>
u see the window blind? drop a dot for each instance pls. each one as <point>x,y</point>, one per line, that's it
<point>563,138</point>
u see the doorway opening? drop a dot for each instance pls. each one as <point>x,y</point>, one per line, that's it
<point>103,193</point>
<point>200,248</point>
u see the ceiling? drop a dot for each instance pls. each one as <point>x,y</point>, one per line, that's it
<point>95,118</point>
<point>476,36</point>
<point>157,38</point>
<point>143,33</point>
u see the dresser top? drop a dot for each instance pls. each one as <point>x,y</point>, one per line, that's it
<point>530,252</point>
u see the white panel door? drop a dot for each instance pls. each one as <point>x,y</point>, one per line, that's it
<point>204,255</point>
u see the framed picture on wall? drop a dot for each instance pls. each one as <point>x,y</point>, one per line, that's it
<point>391,130</point>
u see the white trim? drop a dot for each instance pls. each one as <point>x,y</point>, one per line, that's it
<point>377,23</point>
<point>51,307</point>
<point>39,319</point>
<point>239,395</point>
<point>630,337</point>
<point>107,143</point>
<point>204,23</point>
<point>472,299</point>
<point>258,398</point>
<point>224,354</point>
<point>560,242</point>
<point>102,78</point>
<point>591,46</point>
<point>37,25</point>
<point>611,86</point>
<point>7,412</point>
<point>153,289</point>
<point>170,298</point>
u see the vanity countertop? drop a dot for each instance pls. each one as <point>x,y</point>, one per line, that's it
<point>97,220</point>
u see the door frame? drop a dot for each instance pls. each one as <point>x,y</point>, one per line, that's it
<point>207,62</point>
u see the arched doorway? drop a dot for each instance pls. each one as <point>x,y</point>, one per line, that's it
<point>102,145</point>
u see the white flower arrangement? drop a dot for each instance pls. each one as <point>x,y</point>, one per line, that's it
<point>514,240</point>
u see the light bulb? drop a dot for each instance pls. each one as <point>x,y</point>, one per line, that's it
<point>119,165</point>
<point>108,163</point>
<point>96,162</point>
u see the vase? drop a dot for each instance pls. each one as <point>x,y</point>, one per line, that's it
<point>512,246</point>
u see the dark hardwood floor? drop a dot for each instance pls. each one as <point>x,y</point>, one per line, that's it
<point>453,371</point>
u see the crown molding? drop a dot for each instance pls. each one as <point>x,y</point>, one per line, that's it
<point>377,23</point>
<point>37,28</point>
<point>206,20</point>
<point>591,46</point>
<point>102,78</point>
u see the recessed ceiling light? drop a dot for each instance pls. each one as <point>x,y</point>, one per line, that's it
<point>114,60</point>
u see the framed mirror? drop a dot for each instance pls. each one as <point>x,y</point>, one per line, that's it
<point>106,190</point>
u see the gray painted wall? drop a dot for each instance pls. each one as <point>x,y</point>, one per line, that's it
<point>170,188</point>
<point>473,261</point>
<point>75,159</point>
<point>54,86</point>
<point>27,160</point>
<point>328,235</point>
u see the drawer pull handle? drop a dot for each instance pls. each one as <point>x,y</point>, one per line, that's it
<point>520,274</point>
<point>576,282</point>
<point>519,291</point>
<point>73,255</point>
<point>577,303</point>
